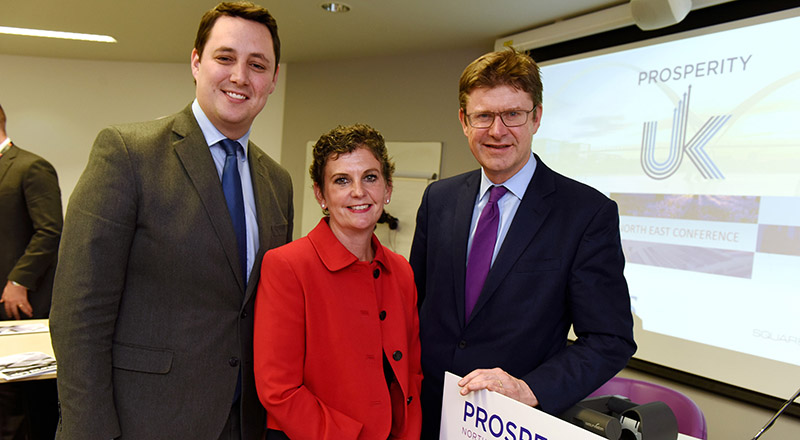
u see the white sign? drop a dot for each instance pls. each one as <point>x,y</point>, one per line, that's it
<point>486,415</point>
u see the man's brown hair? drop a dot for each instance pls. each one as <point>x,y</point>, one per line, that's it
<point>246,10</point>
<point>503,68</point>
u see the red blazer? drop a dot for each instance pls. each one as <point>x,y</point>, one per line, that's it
<point>323,321</point>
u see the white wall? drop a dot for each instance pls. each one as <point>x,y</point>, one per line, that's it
<point>55,107</point>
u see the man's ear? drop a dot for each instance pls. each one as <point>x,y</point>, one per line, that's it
<point>537,115</point>
<point>274,79</point>
<point>195,63</point>
<point>462,116</point>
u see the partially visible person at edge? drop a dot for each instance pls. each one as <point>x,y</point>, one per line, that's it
<point>336,333</point>
<point>550,257</point>
<point>152,321</point>
<point>30,230</point>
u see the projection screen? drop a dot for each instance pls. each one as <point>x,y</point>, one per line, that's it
<point>697,138</point>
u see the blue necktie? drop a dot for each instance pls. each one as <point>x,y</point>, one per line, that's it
<point>232,187</point>
<point>480,254</point>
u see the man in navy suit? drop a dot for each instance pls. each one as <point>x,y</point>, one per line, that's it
<point>556,261</point>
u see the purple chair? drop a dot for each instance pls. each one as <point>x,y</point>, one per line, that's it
<point>690,417</point>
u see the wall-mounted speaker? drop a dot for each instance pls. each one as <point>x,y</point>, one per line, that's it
<point>656,14</point>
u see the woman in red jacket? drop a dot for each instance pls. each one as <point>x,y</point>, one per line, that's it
<point>337,351</point>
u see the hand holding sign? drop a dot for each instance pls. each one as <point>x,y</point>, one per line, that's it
<point>498,381</point>
<point>485,415</point>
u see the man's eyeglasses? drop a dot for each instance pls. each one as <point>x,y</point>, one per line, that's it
<point>511,118</point>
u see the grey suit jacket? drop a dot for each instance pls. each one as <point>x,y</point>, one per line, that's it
<point>30,226</point>
<point>151,319</point>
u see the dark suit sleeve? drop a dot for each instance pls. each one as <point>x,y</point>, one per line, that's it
<point>43,201</point>
<point>599,304</point>
<point>419,245</point>
<point>98,232</point>
<point>290,210</point>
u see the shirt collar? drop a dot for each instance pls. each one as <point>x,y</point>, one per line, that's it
<point>5,145</point>
<point>333,253</point>
<point>517,184</point>
<point>210,132</point>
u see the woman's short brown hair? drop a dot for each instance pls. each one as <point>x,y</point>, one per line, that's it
<point>346,139</point>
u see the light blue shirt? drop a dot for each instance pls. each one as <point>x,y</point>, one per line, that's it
<point>213,136</point>
<point>508,204</point>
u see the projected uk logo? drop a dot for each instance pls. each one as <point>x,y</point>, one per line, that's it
<point>694,149</point>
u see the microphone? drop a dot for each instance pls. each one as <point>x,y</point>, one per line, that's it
<point>777,414</point>
<point>594,421</point>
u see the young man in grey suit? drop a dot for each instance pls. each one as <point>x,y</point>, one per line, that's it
<point>497,302</point>
<point>152,314</point>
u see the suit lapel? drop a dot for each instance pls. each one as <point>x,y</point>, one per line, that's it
<point>262,191</point>
<point>263,194</point>
<point>7,160</point>
<point>465,203</point>
<point>194,154</point>
<point>530,216</point>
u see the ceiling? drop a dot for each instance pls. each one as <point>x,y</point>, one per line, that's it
<point>164,30</point>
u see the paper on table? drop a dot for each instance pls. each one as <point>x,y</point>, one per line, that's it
<point>16,329</point>
<point>22,365</point>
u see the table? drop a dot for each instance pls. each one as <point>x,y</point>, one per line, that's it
<point>21,343</point>
<point>39,398</point>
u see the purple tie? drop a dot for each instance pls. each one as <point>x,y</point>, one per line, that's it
<point>480,254</point>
